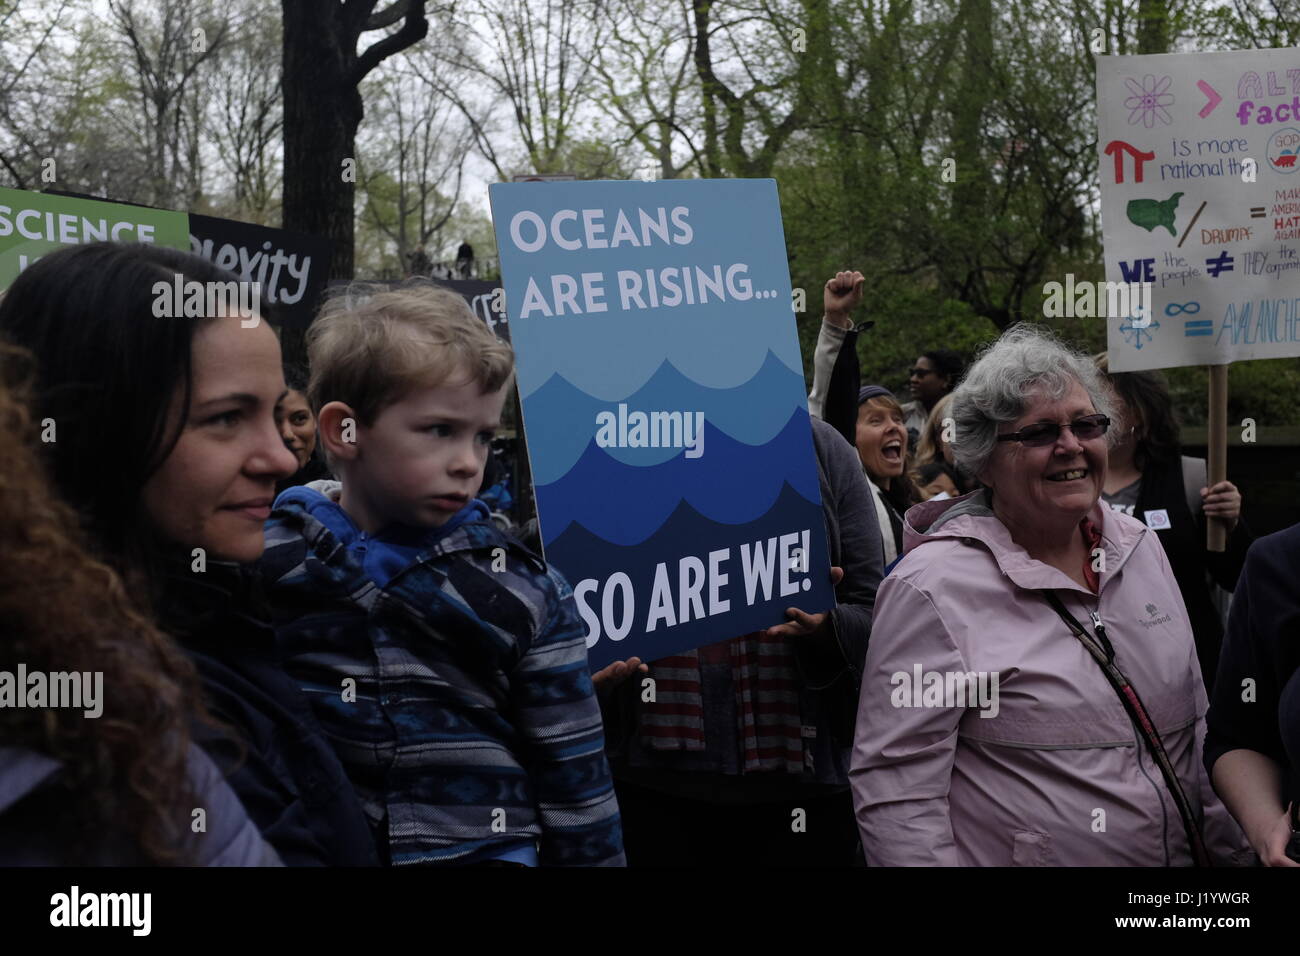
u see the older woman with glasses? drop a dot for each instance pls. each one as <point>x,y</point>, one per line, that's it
<point>1031,695</point>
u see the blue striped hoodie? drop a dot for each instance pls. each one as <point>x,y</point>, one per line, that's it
<point>448,667</point>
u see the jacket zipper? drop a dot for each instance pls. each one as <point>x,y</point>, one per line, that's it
<point>1139,751</point>
<point>1100,630</point>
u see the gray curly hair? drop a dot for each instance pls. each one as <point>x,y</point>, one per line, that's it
<point>997,389</point>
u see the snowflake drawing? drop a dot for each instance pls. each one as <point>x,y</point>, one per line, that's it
<point>1133,333</point>
<point>1149,100</point>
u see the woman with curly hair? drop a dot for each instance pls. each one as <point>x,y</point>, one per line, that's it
<point>167,447</point>
<point>76,787</point>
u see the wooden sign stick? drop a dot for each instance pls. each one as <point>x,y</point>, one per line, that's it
<point>1216,530</point>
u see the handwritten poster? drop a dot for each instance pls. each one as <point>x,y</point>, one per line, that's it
<point>664,403</point>
<point>1200,198</point>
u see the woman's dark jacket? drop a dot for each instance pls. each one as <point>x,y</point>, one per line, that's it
<point>1184,542</point>
<point>288,779</point>
<point>1261,654</point>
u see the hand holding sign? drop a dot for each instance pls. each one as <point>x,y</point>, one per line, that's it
<point>1222,500</point>
<point>610,676</point>
<point>803,623</point>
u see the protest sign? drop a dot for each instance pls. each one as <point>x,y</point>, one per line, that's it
<point>663,397</point>
<point>1200,198</point>
<point>290,268</point>
<point>485,299</point>
<point>32,224</point>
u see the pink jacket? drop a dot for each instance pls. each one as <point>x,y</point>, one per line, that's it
<point>1056,773</point>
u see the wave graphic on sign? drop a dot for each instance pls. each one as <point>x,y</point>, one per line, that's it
<point>733,483</point>
<point>560,418</point>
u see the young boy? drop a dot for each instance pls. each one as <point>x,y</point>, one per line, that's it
<point>446,664</point>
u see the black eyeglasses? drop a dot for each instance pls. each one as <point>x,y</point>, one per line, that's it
<point>1046,433</point>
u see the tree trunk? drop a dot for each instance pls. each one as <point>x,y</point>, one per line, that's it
<point>322,110</point>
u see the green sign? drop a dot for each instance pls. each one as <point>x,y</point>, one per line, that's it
<point>32,224</point>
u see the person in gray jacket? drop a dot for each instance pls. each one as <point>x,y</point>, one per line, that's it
<point>33,786</point>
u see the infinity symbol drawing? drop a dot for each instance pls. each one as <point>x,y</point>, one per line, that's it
<point>1191,308</point>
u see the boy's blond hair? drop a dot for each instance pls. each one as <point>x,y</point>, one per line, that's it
<point>372,344</point>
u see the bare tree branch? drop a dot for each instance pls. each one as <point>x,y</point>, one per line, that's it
<point>414,29</point>
<point>387,17</point>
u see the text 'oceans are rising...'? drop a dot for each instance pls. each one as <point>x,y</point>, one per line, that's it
<point>582,293</point>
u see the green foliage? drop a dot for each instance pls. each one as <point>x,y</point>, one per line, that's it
<point>586,159</point>
<point>1007,91</point>
<point>905,329</point>
<point>1265,390</point>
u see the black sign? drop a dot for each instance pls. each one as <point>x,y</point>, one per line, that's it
<point>290,267</point>
<point>485,299</point>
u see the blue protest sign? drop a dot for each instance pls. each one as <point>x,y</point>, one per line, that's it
<point>664,407</point>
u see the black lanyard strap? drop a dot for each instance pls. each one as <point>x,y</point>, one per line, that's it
<point>1101,651</point>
